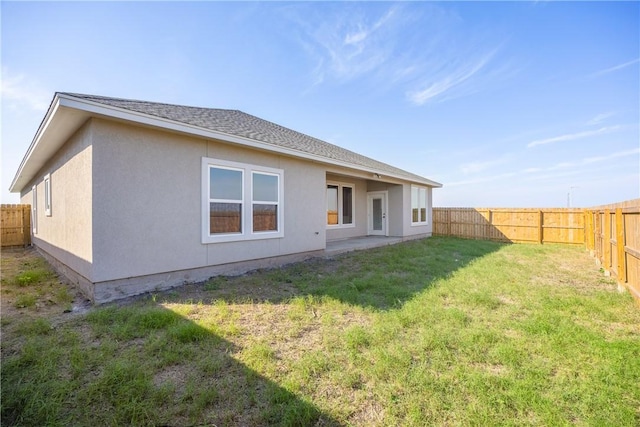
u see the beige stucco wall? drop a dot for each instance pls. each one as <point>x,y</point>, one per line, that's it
<point>304,228</point>
<point>147,204</point>
<point>146,201</point>
<point>396,212</point>
<point>66,234</point>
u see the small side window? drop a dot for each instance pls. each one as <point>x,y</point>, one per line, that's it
<point>34,209</point>
<point>47,195</point>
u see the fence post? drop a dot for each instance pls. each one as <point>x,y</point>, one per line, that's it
<point>587,230</point>
<point>592,234</point>
<point>540,224</point>
<point>26,225</point>
<point>598,237</point>
<point>620,233</point>
<point>607,241</point>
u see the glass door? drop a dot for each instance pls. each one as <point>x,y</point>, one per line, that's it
<point>377,213</point>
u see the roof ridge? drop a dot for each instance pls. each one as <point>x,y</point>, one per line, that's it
<point>141,101</point>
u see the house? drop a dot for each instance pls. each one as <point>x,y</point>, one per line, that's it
<point>133,196</point>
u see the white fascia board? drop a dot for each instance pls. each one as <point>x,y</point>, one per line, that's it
<point>53,108</point>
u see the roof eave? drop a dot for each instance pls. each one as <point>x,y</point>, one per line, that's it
<point>26,171</point>
<point>20,180</point>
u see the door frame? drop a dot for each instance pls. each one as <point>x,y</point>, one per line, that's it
<point>385,213</point>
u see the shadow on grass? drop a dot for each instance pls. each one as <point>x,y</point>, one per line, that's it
<point>142,365</point>
<point>382,278</point>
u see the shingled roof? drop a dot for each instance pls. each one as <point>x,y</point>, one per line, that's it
<point>240,124</point>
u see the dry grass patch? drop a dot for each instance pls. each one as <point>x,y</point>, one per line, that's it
<point>31,288</point>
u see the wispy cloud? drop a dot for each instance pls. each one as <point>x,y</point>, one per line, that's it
<point>611,156</point>
<point>446,81</point>
<point>574,168</point>
<point>614,68</point>
<point>370,44</point>
<point>477,166</point>
<point>555,175</point>
<point>600,118</point>
<point>561,165</point>
<point>558,170</point>
<point>349,45</point>
<point>531,170</point>
<point>18,89</point>
<point>363,32</point>
<point>573,136</point>
<point>480,180</point>
<point>590,160</point>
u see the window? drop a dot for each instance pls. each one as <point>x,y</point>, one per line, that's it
<point>240,201</point>
<point>340,204</point>
<point>34,209</point>
<point>347,205</point>
<point>418,205</point>
<point>332,204</point>
<point>225,200</point>
<point>265,201</point>
<point>47,195</point>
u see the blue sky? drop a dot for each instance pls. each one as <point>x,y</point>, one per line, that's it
<point>506,104</point>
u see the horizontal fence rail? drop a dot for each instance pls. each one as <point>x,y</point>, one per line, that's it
<point>511,225</point>
<point>15,225</point>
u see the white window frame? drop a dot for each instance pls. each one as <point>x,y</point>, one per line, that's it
<point>34,209</point>
<point>246,232</point>
<point>47,194</point>
<point>269,203</point>
<point>239,201</point>
<point>340,186</point>
<point>426,205</point>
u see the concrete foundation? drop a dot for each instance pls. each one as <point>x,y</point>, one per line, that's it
<point>103,292</point>
<point>107,291</point>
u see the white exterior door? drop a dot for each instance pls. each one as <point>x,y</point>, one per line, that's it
<point>377,213</point>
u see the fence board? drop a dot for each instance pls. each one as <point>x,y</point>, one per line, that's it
<point>511,225</point>
<point>15,223</point>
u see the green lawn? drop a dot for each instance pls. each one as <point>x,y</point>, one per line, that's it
<point>440,331</point>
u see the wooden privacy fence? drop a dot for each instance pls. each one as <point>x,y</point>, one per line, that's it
<point>511,225</point>
<point>613,238</point>
<point>15,225</point>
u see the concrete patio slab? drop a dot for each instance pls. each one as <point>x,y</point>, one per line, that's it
<point>336,247</point>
